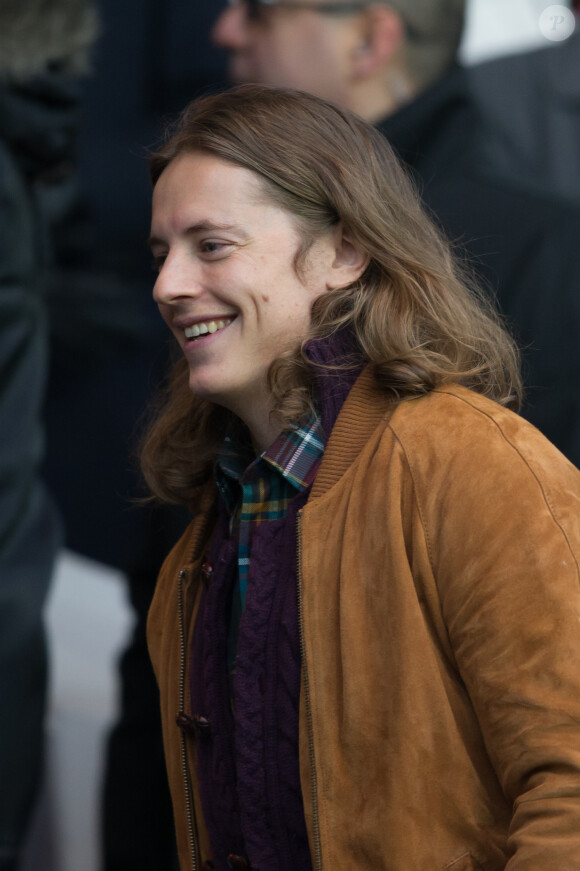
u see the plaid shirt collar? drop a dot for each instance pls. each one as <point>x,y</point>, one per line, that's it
<point>295,455</point>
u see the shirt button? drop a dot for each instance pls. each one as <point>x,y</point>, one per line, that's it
<point>206,573</point>
<point>238,863</point>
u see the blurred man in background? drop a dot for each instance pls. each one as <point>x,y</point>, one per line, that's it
<point>395,63</point>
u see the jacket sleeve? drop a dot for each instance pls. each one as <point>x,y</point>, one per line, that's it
<point>505,541</point>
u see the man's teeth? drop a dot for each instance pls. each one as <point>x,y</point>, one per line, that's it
<point>205,327</point>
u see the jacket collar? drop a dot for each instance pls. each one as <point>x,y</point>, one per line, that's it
<point>365,407</point>
<point>38,119</point>
<point>438,128</point>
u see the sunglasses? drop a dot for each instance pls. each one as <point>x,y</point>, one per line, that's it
<point>256,8</point>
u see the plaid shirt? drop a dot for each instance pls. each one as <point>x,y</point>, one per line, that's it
<point>256,490</point>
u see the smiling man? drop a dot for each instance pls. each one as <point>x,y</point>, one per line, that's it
<point>213,227</point>
<point>395,64</point>
<point>379,585</point>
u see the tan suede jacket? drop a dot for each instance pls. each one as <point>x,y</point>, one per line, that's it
<point>440,622</point>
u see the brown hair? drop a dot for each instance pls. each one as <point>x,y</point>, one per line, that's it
<point>413,313</point>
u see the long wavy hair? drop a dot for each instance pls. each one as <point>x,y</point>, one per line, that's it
<point>415,314</point>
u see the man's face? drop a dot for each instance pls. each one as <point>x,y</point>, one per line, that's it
<point>227,285</point>
<point>294,48</point>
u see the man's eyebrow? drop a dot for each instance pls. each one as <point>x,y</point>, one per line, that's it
<point>203,227</point>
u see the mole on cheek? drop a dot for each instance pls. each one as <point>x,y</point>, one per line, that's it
<point>265,298</point>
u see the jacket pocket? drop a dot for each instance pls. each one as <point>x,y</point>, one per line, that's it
<point>464,863</point>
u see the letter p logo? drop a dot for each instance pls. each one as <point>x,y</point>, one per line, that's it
<point>557,23</point>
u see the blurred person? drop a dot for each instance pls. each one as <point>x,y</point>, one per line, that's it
<point>367,641</point>
<point>43,49</point>
<point>395,64</point>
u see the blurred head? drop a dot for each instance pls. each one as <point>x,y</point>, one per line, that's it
<point>359,254</point>
<point>37,35</point>
<point>369,57</point>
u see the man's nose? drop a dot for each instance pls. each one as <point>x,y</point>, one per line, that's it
<point>230,29</point>
<point>176,282</point>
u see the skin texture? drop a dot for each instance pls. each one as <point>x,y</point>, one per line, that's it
<point>224,252</point>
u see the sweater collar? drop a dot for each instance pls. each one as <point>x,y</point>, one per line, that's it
<point>365,407</point>
<point>351,402</point>
<point>336,363</point>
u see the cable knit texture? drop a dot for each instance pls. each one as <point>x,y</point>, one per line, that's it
<point>210,698</point>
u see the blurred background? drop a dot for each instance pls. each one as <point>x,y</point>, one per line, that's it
<point>150,59</point>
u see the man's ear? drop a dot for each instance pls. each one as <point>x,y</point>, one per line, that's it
<point>382,34</point>
<point>350,261</point>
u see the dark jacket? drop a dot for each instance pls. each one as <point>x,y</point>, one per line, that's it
<point>531,102</point>
<point>524,246</point>
<point>39,47</point>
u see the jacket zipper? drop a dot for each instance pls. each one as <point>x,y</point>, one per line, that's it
<point>189,803</point>
<point>311,753</point>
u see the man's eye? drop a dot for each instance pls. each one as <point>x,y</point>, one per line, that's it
<point>212,247</point>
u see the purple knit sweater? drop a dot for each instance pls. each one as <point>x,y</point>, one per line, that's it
<point>248,767</point>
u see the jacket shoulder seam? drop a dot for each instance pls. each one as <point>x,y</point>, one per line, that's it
<point>545,495</point>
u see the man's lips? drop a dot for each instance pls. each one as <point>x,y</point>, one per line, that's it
<point>185,322</point>
<point>204,328</point>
